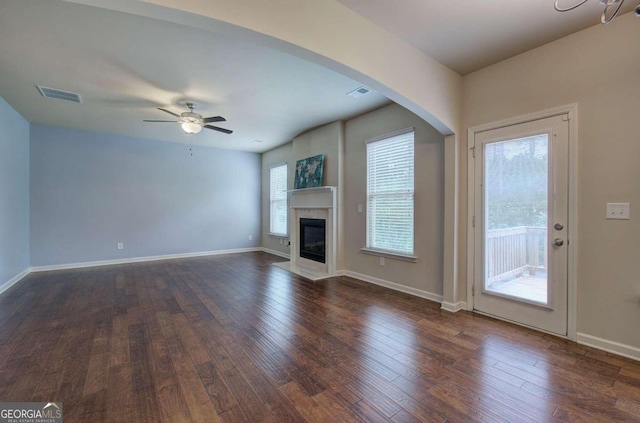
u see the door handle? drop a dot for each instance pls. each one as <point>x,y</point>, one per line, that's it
<point>558,227</point>
<point>558,242</point>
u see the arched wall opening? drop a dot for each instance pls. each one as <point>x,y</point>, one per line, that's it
<point>331,35</point>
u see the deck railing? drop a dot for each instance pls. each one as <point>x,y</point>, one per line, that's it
<point>514,252</point>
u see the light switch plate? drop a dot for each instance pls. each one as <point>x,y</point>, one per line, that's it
<point>359,208</point>
<point>618,211</point>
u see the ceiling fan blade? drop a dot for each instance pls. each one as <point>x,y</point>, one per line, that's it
<point>214,119</point>
<point>168,111</point>
<point>215,128</point>
<point>147,120</point>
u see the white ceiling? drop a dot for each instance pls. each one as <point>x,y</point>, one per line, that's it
<point>467,36</point>
<point>126,66</point>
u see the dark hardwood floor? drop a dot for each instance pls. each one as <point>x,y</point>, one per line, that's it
<point>232,338</point>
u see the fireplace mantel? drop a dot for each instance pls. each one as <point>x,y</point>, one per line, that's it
<point>312,189</point>
<point>316,203</point>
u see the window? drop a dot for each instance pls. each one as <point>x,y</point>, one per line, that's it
<point>278,199</point>
<point>390,171</point>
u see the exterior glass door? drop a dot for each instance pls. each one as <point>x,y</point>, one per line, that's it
<point>521,209</point>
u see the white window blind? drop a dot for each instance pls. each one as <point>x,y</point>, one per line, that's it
<point>390,190</point>
<point>278,199</point>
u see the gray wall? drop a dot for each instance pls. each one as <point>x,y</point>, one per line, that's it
<point>325,140</point>
<point>14,193</point>
<point>328,140</point>
<point>91,190</point>
<point>345,155</point>
<point>426,273</point>
<point>596,69</point>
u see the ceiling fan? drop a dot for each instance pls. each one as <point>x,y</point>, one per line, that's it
<point>192,122</point>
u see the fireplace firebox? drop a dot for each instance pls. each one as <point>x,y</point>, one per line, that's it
<point>312,239</point>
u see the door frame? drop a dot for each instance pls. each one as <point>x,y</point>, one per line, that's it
<point>572,233</point>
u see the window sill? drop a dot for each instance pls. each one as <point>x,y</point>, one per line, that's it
<point>388,254</point>
<point>283,236</point>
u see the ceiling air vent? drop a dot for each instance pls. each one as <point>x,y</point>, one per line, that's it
<point>59,94</point>
<point>359,92</point>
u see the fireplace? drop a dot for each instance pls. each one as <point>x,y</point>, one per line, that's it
<point>314,233</point>
<point>312,239</point>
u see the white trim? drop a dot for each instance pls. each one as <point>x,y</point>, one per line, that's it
<point>141,259</point>
<point>453,307</point>
<point>395,286</point>
<point>14,280</point>
<point>609,346</point>
<point>572,233</point>
<point>559,335</point>
<point>275,235</point>
<point>389,254</point>
<point>471,218</point>
<point>318,203</point>
<point>275,253</point>
<point>392,134</point>
<point>314,189</point>
<point>570,109</point>
<point>278,164</point>
<point>313,274</point>
<point>572,282</point>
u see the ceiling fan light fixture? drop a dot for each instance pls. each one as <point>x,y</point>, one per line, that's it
<point>611,9</point>
<point>192,122</point>
<point>191,127</point>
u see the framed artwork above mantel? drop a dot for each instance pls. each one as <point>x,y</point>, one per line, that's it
<point>309,172</point>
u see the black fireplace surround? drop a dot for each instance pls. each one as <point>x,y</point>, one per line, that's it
<point>312,239</point>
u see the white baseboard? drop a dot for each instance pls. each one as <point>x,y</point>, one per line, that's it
<point>141,259</point>
<point>609,346</point>
<point>14,280</point>
<point>395,286</point>
<point>454,307</point>
<point>276,253</point>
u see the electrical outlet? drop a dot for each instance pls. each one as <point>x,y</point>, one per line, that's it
<point>250,237</point>
<point>381,261</point>
<point>618,211</point>
<point>120,246</point>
